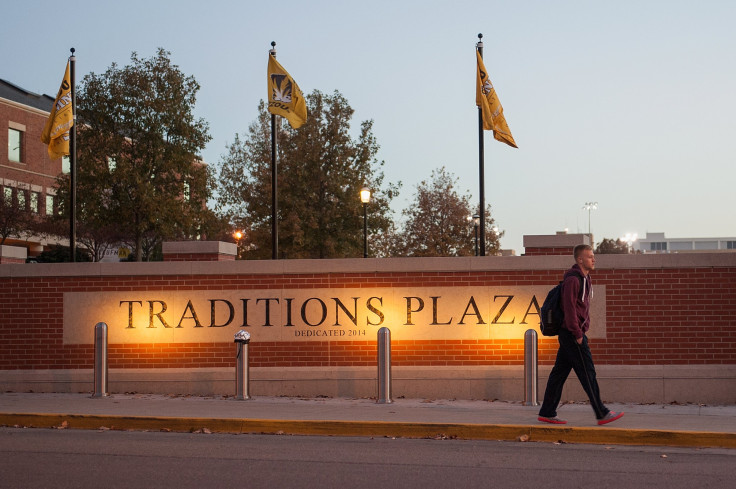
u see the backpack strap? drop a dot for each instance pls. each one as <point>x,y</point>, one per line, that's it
<point>581,279</point>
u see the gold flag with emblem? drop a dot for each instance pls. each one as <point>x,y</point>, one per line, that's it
<point>284,96</point>
<point>491,110</point>
<point>56,132</point>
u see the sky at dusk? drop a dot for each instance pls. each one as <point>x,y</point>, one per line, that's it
<point>629,104</point>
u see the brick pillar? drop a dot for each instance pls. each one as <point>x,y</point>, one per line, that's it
<point>13,254</point>
<point>199,251</point>
<point>555,244</point>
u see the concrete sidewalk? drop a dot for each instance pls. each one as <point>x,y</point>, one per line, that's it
<point>669,425</point>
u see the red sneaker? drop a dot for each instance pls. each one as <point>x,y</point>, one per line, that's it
<point>611,416</point>
<point>554,420</point>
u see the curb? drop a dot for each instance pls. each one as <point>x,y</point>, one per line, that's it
<point>604,436</point>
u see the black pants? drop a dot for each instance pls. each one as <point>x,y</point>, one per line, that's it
<point>571,356</point>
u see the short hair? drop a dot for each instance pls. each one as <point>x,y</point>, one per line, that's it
<point>578,250</point>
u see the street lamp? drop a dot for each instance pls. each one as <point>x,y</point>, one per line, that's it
<point>590,206</point>
<point>238,235</point>
<point>365,198</point>
<point>476,223</point>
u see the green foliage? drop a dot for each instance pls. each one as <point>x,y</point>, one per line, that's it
<point>139,179</point>
<point>13,219</point>
<point>60,254</point>
<point>609,246</point>
<point>439,222</point>
<point>321,169</point>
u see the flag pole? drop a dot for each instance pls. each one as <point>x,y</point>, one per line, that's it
<point>481,166</point>
<point>73,163</point>
<point>274,180</point>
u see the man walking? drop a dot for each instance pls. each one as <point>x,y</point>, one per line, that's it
<point>574,353</point>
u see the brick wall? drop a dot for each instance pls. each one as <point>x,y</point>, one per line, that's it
<point>556,244</point>
<point>8,260</point>
<point>661,310</point>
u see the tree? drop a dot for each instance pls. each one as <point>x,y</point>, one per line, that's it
<point>387,243</point>
<point>609,246</point>
<point>95,230</point>
<point>14,220</point>
<point>321,170</point>
<point>439,222</point>
<point>57,253</point>
<point>137,147</point>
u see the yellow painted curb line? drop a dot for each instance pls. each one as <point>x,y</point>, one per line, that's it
<point>606,436</point>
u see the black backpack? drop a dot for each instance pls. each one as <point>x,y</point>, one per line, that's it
<point>551,316</point>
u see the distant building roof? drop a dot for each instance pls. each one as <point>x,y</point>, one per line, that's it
<point>20,95</point>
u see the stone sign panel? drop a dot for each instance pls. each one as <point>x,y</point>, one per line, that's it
<point>340,314</point>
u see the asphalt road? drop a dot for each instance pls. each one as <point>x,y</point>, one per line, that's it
<point>57,458</point>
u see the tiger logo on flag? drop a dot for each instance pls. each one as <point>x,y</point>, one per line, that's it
<point>281,88</point>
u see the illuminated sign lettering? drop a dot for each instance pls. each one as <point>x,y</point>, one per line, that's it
<point>302,314</point>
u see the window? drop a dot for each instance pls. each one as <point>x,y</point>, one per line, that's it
<point>8,194</point>
<point>731,245</point>
<point>21,196</point>
<point>15,141</point>
<point>66,164</point>
<point>681,246</point>
<point>49,205</point>
<point>662,246</point>
<point>34,202</point>
<point>111,164</point>
<point>706,245</point>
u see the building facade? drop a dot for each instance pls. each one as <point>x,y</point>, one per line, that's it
<point>658,243</point>
<point>27,174</point>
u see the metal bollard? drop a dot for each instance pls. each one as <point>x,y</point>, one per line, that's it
<point>530,368</point>
<point>384,366</point>
<point>100,380</point>
<point>242,382</point>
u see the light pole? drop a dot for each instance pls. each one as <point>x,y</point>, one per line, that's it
<point>476,223</point>
<point>590,206</point>
<point>365,197</point>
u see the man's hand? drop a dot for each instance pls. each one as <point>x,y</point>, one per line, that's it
<point>579,340</point>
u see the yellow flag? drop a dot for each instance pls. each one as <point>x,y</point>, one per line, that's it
<point>284,97</point>
<point>61,120</point>
<point>487,100</point>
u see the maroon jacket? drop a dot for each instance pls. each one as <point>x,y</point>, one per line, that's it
<point>575,299</point>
